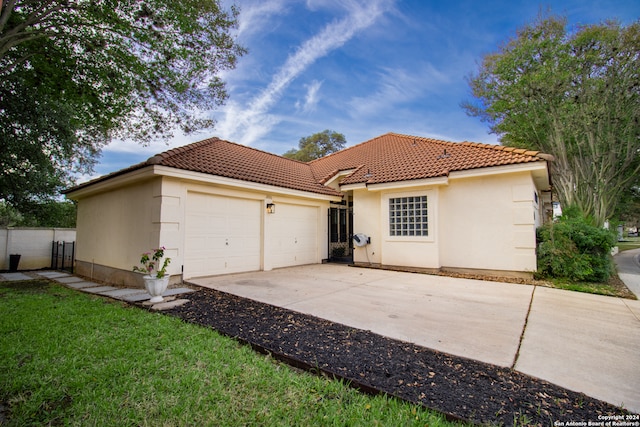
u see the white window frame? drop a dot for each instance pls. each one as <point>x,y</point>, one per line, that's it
<point>386,220</point>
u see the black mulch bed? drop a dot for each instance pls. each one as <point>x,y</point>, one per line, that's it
<point>458,387</point>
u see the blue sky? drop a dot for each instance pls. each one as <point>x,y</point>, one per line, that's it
<point>362,68</point>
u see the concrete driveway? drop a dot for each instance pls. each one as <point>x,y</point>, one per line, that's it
<point>628,266</point>
<point>582,342</point>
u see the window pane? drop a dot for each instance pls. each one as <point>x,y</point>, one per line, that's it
<point>408,216</point>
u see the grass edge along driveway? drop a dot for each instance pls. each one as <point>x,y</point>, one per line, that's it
<point>69,358</point>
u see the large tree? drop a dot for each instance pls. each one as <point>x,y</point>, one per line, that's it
<point>574,94</point>
<point>629,208</point>
<point>317,145</point>
<point>76,73</point>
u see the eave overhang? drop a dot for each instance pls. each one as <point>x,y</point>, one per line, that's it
<point>538,170</point>
<point>154,171</point>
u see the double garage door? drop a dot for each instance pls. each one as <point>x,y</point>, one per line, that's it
<point>226,235</point>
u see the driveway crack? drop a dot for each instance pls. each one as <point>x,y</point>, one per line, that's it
<point>524,328</point>
<point>629,308</point>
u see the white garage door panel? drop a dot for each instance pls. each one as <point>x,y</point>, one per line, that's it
<point>295,235</point>
<point>222,235</point>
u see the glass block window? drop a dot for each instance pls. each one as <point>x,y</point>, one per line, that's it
<point>408,216</point>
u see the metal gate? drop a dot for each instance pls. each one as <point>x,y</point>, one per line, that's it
<point>340,232</point>
<point>63,255</point>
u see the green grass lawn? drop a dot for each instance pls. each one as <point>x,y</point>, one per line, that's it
<point>69,358</point>
<point>589,288</point>
<point>629,243</point>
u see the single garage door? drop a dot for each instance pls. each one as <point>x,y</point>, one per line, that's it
<point>294,239</point>
<point>222,235</point>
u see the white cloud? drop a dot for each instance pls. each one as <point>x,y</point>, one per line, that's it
<point>156,146</point>
<point>246,124</point>
<point>256,17</point>
<point>311,99</point>
<point>397,86</point>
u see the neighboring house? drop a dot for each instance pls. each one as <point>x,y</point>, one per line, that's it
<point>220,207</point>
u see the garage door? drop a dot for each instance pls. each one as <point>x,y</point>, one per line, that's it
<point>294,239</point>
<point>222,235</point>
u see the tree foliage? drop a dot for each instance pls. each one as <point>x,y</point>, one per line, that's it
<point>628,210</point>
<point>9,216</point>
<point>317,145</point>
<point>41,214</point>
<point>77,73</point>
<point>572,94</point>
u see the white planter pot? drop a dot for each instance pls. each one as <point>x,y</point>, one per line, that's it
<point>156,287</point>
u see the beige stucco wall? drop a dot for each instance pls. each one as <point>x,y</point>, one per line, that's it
<point>477,223</point>
<point>488,223</point>
<point>117,224</point>
<point>366,220</point>
<point>480,221</point>
<point>371,213</point>
<point>115,227</point>
<point>419,251</point>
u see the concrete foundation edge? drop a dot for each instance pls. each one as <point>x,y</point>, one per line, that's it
<point>453,270</point>
<point>115,276</point>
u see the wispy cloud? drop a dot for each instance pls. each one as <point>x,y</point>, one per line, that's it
<point>255,17</point>
<point>311,99</point>
<point>398,86</point>
<point>246,124</point>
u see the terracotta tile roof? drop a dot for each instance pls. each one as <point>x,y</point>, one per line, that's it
<point>394,157</point>
<point>227,159</point>
<point>388,158</point>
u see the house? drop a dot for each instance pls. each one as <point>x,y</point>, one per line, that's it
<point>412,202</point>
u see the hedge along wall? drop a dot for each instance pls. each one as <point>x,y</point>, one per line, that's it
<point>33,244</point>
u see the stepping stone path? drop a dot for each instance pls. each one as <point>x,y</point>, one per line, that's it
<point>123,294</point>
<point>15,276</point>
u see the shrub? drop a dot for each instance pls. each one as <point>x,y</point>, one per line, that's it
<point>575,249</point>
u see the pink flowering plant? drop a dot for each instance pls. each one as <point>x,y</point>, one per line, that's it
<point>150,262</point>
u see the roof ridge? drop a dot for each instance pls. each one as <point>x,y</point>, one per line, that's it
<point>425,139</point>
<point>531,153</point>
<point>159,157</point>
<point>439,141</point>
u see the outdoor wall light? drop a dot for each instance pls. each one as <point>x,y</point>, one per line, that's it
<point>271,208</point>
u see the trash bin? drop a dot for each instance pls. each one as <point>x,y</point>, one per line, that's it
<point>14,260</point>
